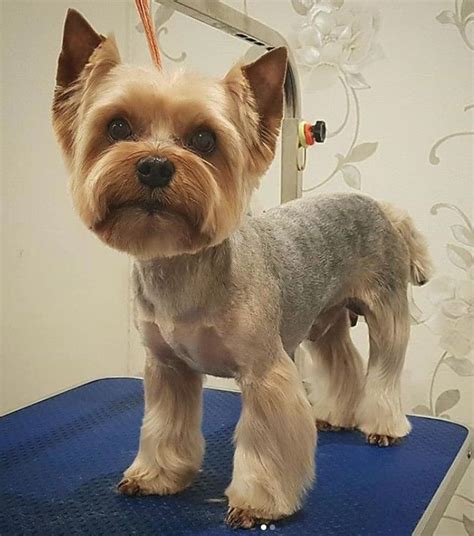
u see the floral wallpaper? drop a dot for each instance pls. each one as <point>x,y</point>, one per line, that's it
<point>332,45</point>
<point>451,315</point>
<point>391,79</point>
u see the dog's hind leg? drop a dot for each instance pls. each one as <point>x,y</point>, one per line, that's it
<point>380,414</point>
<point>334,384</point>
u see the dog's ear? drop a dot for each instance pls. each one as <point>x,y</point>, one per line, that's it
<point>83,46</point>
<point>79,42</point>
<point>257,91</point>
<point>266,77</point>
<point>85,58</point>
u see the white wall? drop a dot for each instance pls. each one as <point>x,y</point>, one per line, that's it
<point>64,295</point>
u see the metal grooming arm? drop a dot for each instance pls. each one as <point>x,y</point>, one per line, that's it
<point>229,20</point>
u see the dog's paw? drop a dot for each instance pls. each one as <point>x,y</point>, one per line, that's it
<point>324,426</point>
<point>129,486</point>
<point>241,518</point>
<point>382,440</point>
<point>133,486</point>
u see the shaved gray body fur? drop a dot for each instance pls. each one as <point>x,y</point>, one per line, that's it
<point>285,266</point>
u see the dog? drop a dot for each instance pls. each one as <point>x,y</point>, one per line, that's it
<point>163,166</point>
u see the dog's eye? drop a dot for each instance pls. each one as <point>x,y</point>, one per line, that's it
<point>203,141</point>
<point>119,129</point>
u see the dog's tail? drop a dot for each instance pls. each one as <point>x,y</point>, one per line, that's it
<point>420,261</point>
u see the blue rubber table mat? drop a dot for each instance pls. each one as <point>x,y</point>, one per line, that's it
<point>60,460</point>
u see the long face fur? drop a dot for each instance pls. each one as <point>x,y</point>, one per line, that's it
<point>209,191</point>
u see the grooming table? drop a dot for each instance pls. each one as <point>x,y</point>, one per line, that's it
<point>61,458</point>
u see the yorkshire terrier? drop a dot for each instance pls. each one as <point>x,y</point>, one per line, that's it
<point>163,167</point>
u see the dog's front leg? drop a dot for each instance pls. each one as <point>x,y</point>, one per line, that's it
<point>171,443</point>
<point>275,445</point>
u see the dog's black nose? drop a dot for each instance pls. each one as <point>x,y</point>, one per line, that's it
<point>154,171</point>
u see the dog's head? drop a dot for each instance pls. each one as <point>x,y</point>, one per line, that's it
<point>162,164</point>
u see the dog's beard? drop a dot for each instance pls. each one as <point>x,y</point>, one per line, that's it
<point>146,231</point>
